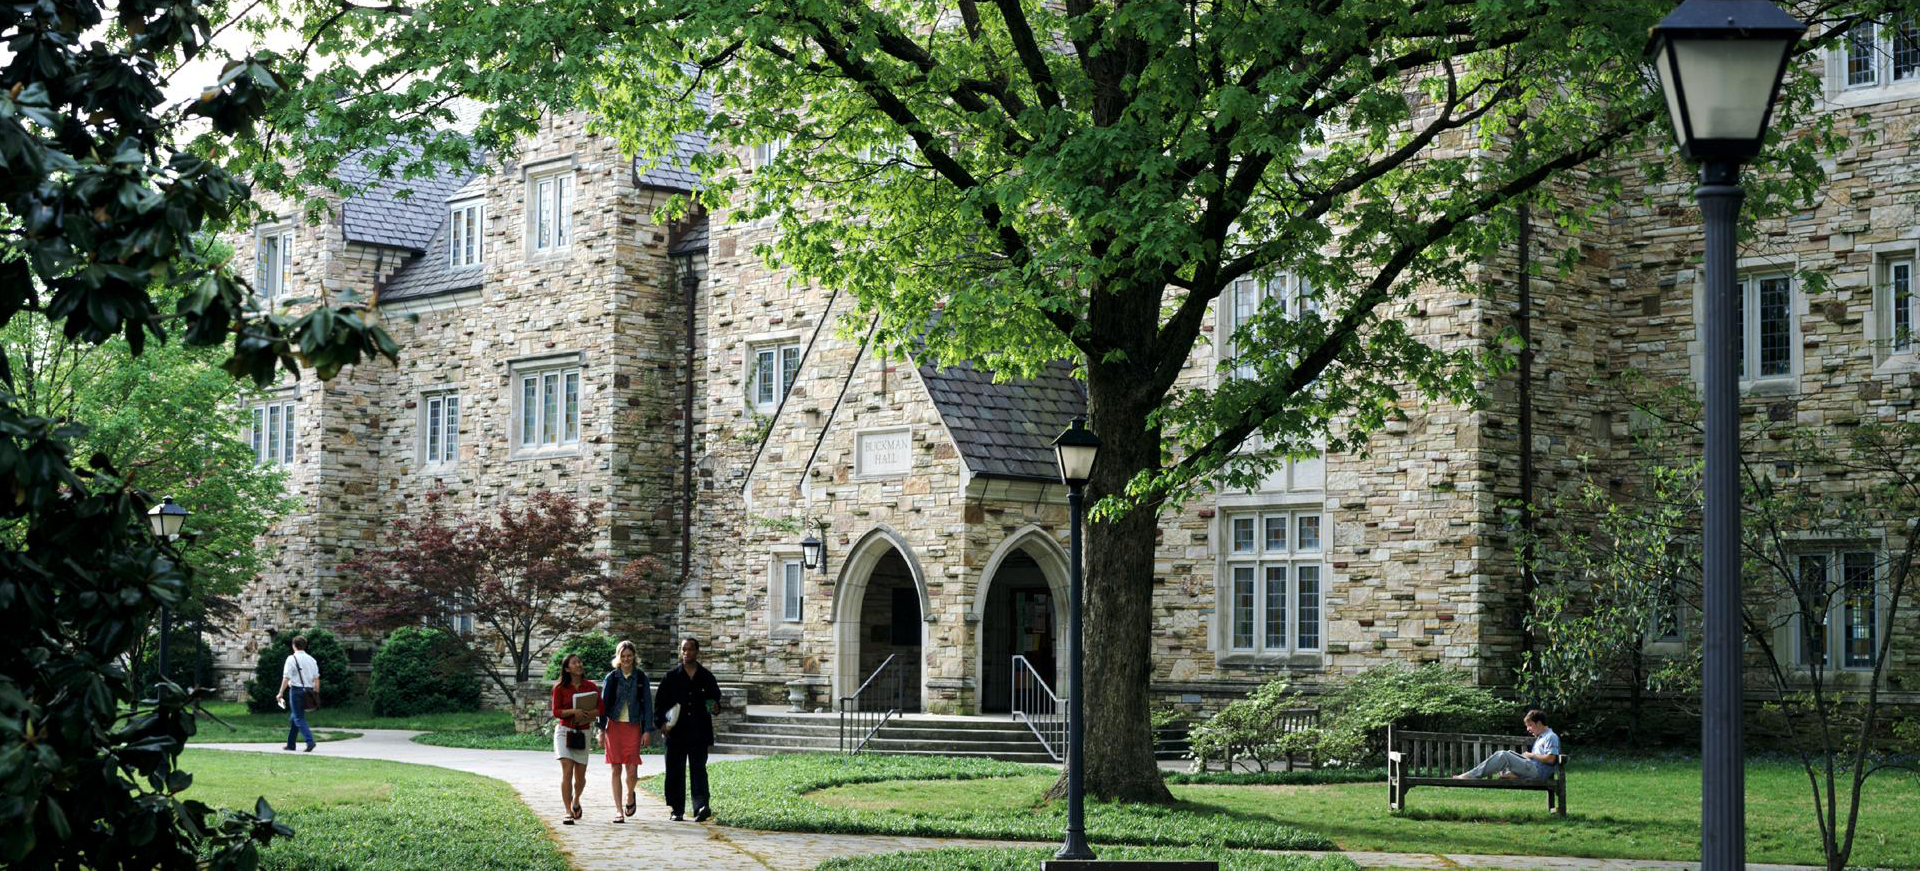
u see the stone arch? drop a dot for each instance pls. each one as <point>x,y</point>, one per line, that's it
<point>1040,546</point>
<point>849,596</point>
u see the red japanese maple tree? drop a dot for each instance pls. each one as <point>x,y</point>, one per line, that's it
<point>514,585</point>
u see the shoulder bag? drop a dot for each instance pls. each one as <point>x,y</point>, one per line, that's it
<point>310,701</point>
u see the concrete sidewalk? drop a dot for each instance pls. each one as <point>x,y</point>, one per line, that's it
<point>652,841</point>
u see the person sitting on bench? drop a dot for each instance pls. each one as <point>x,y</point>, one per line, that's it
<point>1536,764</point>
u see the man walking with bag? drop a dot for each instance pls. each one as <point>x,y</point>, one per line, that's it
<point>684,709</point>
<point>300,677</point>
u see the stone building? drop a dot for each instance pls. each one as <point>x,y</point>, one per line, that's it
<point>566,340</point>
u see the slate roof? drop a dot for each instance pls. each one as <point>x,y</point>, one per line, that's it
<point>379,215</point>
<point>428,273</point>
<point>1006,430</point>
<point>676,172</point>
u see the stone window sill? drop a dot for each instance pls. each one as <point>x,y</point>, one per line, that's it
<point>1869,95</point>
<point>1894,364</point>
<point>1284,659</point>
<point>545,453</point>
<point>1780,386</point>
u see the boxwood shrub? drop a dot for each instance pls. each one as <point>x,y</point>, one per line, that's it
<point>422,670</point>
<point>595,649</point>
<point>336,680</point>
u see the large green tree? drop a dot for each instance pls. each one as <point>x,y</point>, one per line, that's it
<point>1080,179</point>
<point>173,423</point>
<point>101,201</point>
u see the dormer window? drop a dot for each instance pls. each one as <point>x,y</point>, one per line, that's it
<point>464,234</point>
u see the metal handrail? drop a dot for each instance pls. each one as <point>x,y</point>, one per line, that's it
<point>1035,704</point>
<point>877,700</point>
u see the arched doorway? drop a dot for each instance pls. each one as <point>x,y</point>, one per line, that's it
<point>1021,611</point>
<point>880,608</point>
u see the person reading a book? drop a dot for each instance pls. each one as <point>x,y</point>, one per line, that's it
<point>576,704</point>
<point>684,709</point>
<point>626,723</point>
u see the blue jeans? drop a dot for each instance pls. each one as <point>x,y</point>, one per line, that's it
<point>297,716</point>
<point>1509,761</point>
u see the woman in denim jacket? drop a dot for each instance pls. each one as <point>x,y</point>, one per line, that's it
<point>628,711</point>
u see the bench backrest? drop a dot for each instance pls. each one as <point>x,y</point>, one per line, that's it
<point>1444,754</point>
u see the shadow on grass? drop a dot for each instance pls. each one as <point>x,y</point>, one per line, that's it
<point>772,794</point>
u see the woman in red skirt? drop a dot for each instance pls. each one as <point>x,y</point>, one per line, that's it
<point>628,709</point>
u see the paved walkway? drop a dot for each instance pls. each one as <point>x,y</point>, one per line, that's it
<point>651,840</point>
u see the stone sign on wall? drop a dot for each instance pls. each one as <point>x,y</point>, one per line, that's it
<point>883,452</point>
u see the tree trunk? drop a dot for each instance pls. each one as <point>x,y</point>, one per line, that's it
<point>1634,703</point>
<point>1119,614</point>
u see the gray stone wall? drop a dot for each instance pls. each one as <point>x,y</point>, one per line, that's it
<point>1418,564</point>
<point>605,304</point>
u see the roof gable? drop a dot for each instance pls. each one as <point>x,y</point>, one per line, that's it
<point>1007,429</point>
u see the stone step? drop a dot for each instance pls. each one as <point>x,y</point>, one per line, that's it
<point>790,741</point>
<point>888,737</point>
<point>884,744</point>
<point>922,733</point>
<point>909,720</point>
<point>831,731</point>
<point>764,750</point>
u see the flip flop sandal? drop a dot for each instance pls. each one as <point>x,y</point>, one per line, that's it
<point>630,804</point>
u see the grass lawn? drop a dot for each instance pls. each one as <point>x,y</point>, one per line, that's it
<point>359,814</point>
<point>480,730</point>
<point>241,727</point>
<point>1027,859</point>
<point>1644,809</point>
<point>337,723</point>
<point>932,797</point>
<point>504,738</point>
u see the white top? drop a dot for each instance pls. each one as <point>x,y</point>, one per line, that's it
<point>301,671</point>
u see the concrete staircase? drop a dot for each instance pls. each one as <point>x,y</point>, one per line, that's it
<point>767,729</point>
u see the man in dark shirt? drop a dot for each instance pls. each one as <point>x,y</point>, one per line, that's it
<point>693,689</point>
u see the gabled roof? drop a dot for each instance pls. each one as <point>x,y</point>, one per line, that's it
<point>1006,430</point>
<point>380,215</point>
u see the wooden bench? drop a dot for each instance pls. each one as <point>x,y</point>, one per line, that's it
<point>1433,758</point>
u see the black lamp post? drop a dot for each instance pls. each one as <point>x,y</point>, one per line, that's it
<point>1720,64</point>
<point>1075,450</point>
<point>165,519</point>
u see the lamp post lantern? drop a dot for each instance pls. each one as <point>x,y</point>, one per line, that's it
<point>165,520</point>
<point>1075,450</point>
<point>1720,64</point>
<point>813,553</point>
